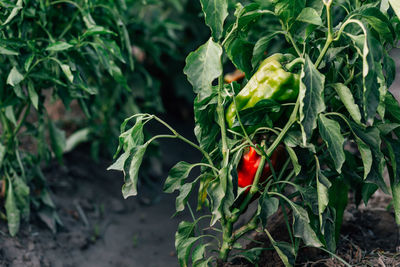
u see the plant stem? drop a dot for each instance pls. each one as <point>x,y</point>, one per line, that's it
<point>21,122</point>
<point>290,66</point>
<point>221,118</point>
<point>226,241</point>
<point>7,130</point>
<point>251,225</point>
<point>289,124</point>
<point>177,135</point>
<point>289,35</point>
<point>329,38</point>
<point>227,237</point>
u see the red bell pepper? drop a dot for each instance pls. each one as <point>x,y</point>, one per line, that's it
<point>249,164</point>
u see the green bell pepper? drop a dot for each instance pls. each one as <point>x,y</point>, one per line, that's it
<point>271,81</point>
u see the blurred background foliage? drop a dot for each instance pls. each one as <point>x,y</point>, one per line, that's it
<point>71,71</point>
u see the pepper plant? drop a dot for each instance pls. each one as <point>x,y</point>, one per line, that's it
<point>321,93</point>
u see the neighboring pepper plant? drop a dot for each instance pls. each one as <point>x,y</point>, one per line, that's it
<point>340,131</point>
<point>93,52</point>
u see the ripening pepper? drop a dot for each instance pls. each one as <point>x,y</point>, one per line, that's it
<point>271,81</point>
<point>250,161</point>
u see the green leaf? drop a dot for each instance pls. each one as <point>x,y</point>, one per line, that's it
<point>396,201</point>
<point>252,255</point>
<point>302,228</point>
<point>14,77</point>
<point>294,139</point>
<point>131,170</point>
<point>116,72</point>
<point>328,229</point>
<point>9,112</point>
<point>348,100</point>
<point>28,62</point>
<point>311,97</point>
<point>323,185</point>
<point>384,7</point>
<point>217,192</point>
<point>33,96</point>
<point>288,10</point>
<point>379,22</point>
<point>59,46</point>
<point>12,211</point>
<point>396,7</point>
<point>240,52</point>
<point>310,15</point>
<point>330,133</point>
<point>96,30</point>
<point>184,240</point>
<point>2,154</point>
<point>57,140</point>
<point>203,66</point>
<point>215,12</point>
<point>67,71</point>
<point>22,196</point>
<point>285,252</point>
<point>371,51</point>
<point>392,108</point>
<point>267,206</point>
<point>367,190</point>
<point>132,137</point>
<point>14,12</point>
<point>366,156</point>
<point>389,67</point>
<point>177,176</point>
<point>338,199</point>
<point>199,253</point>
<point>206,129</point>
<point>260,47</point>
<point>259,115</point>
<point>294,159</point>
<point>376,88</point>
<point>9,52</point>
<point>182,198</point>
<point>394,174</point>
<point>387,128</point>
<point>118,165</point>
<point>371,137</point>
<point>78,137</point>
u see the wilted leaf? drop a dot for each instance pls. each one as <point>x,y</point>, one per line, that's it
<point>177,176</point>
<point>203,66</point>
<point>131,170</point>
<point>184,240</point>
